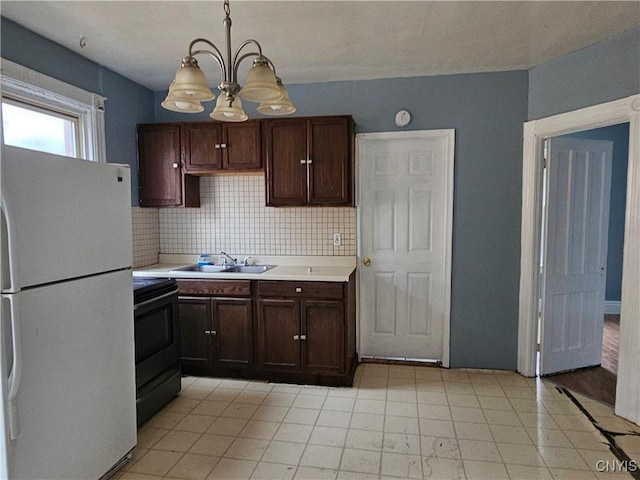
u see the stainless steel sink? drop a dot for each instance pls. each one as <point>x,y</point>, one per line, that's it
<point>225,268</point>
<point>249,269</point>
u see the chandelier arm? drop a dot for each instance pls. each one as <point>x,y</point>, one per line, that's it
<point>251,41</point>
<point>223,69</point>
<point>216,54</point>
<point>238,61</point>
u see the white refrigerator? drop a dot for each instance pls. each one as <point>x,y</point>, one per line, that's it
<point>66,331</point>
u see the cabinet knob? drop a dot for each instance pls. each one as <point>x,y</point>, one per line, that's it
<point>303,162</point>
<point>217,145</point>
<point>296,337</point>
<point>366,261</point>
<point>303,337</point>
<point>298,290</point>
<point>175,165</point>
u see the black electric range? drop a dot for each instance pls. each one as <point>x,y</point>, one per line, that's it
<point>157,344</point>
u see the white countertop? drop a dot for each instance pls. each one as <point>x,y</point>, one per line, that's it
<point>293,268</point>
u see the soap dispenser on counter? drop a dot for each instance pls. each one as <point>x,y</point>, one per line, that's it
<point>205,259</point>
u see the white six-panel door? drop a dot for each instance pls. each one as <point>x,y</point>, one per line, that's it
<point>405,212</point>
<point>574,265</point>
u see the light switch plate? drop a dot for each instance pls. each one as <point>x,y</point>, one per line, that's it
<point>337,239</point>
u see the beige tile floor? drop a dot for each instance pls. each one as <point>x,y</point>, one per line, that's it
<point>396,422</point>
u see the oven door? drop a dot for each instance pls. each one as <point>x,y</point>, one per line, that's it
<point>157,337</point>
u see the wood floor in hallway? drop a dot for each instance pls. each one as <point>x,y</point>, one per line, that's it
<point>597,382</point>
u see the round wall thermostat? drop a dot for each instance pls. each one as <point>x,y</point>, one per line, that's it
<point>403,118</point>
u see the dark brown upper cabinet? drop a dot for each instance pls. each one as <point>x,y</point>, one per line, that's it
<point>161,180</point>
<point>211,147</point>
<point>309,161</point>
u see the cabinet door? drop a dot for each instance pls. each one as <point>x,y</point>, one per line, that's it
<point>202,144</point>
<point>160,176</point>
<point>323,328</point>
<point>196,339</point>
<point>232,321</point>
<point>331,156</point>
<point>285,151</point>
<point>242,146</point>
<point>278,335</point>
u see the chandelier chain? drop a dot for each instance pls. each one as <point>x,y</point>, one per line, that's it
<point>227,8</point>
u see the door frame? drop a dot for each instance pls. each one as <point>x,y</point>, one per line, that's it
<point>449,135</point>
<point>601,115</point>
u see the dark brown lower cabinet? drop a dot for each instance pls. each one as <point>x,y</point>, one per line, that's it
<point>300,336</point>
<point>232,332</point>
<point>195,322</point>
<point>301,332</point>
<point>306,329</point>
<point>218,330</point>
<point>323,325</point>
<point>278,323</point>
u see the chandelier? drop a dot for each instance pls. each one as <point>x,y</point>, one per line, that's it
<point>189,88</point>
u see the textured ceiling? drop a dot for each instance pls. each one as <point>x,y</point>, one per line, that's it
<point>311,41</point>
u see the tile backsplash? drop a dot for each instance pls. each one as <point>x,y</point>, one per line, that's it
<point>233,217</point>
<point>146,236</point>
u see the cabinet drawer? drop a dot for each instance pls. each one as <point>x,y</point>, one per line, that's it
<point>329,290</point>
<point>232,288</point>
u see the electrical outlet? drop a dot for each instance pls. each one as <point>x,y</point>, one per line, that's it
<point>337,239</point>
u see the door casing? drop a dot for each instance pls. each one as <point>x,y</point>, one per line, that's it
<point>601,115</point>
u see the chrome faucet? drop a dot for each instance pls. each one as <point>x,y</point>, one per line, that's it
<point>227,259</point>
<point>245,262</point>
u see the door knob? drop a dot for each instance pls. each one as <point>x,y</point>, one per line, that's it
<point>366,261</point>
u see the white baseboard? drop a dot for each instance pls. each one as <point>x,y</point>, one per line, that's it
<point>612,307</point>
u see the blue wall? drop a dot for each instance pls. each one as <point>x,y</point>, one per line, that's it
<point>619,135</point>
<point>487,111</point>
<point>128,103</point>
<point>606,71</point>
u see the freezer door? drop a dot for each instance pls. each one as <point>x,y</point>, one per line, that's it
<point>63,218</point>
<point>74,407</point>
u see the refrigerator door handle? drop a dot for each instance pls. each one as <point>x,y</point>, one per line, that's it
<point>15,376</point>
<point>9,219</point>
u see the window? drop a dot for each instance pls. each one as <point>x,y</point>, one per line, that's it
<point>29,126</point>
<point>45,114</point>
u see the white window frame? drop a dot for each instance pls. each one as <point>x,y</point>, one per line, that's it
<point>23,84</point>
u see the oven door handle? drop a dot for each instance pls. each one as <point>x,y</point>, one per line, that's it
<point>155,299</point>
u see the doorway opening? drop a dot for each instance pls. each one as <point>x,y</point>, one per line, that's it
<point>598,381</point>
<point>627,403</point>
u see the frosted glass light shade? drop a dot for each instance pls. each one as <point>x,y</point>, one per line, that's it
<point>261,84</point>
<point>226,113</point>
<point>182,106</point>
<point>279,106</point>
<point>178,105</point>
<point>191,85</point>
